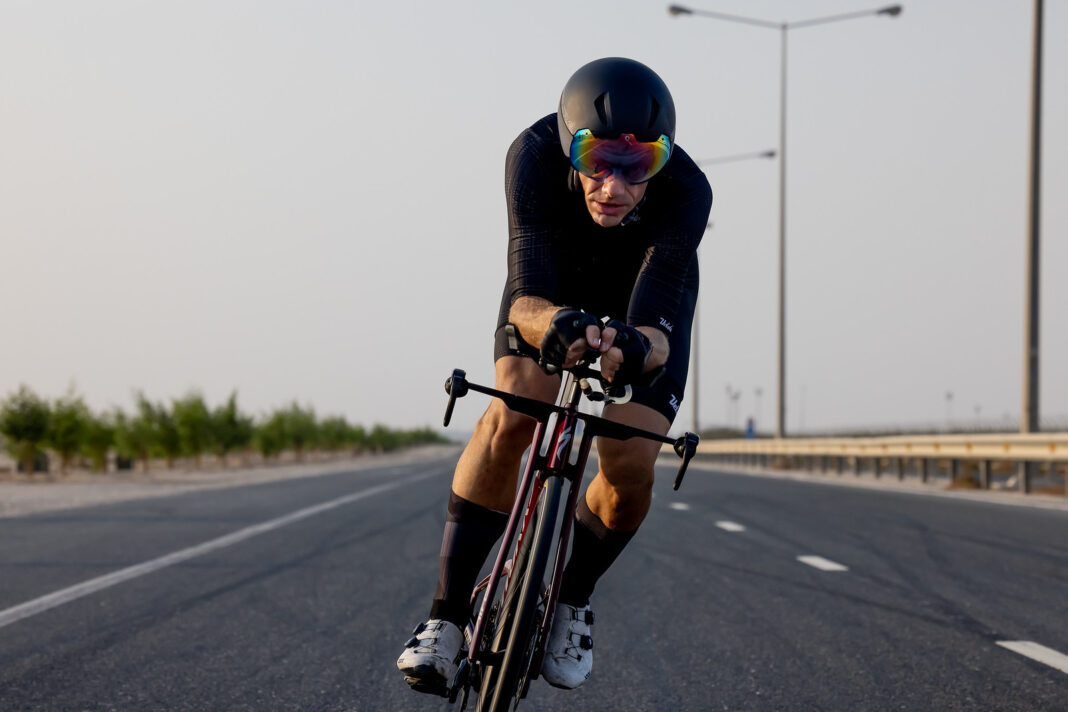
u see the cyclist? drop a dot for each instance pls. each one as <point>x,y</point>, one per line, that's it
<point>609,226</point>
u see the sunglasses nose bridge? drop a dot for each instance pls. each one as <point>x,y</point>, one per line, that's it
<point>614,183</point>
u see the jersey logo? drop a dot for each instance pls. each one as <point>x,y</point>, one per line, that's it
<point>666,324</point>
<point>674,403</point>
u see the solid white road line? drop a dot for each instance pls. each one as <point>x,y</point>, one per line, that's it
<point>730,526</point>
<point>66,595</point>
<point>822,564</point>
<point>681,506</point>
<point>1041,653</point>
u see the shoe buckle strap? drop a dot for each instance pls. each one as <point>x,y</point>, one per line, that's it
<point>585,616</point>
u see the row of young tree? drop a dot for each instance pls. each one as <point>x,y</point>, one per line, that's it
<point>185,428</point>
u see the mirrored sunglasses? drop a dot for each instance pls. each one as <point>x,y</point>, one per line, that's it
<point>635,161</point>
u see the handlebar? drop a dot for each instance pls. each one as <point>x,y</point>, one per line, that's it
<point>457,386</point>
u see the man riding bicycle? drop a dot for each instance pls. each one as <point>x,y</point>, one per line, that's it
<point>609,226</point>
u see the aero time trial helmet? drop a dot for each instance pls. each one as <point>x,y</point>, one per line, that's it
<point>616,108</point>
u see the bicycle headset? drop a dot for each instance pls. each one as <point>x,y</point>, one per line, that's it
<point>616,115</point>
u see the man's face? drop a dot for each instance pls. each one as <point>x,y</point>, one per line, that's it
<point>611,199</point>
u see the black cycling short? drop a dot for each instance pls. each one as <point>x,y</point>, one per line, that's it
<point>664,396</point>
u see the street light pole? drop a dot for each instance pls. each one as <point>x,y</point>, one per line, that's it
<point>1029,421</point>
<point>695,335</point>
<point>1029,415</point>
<point>780,418</point>
<point>783,27</point>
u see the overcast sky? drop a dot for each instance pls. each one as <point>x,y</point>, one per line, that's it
<point>305,199</point>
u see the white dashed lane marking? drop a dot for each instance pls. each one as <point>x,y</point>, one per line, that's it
<point>1041,653</point>
<point>681,506</point>
<point>730,526</point>
<point>822,564</point>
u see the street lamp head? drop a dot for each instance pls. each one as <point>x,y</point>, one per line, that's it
<point>677,10</point>
<point>892,11</point>
<point>768,154</point>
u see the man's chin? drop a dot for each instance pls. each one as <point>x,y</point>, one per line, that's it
<point>607,220</point>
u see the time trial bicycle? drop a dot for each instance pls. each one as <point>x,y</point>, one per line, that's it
<point>515,604</point>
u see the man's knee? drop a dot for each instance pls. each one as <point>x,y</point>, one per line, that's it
<point>627,465</point>
<point>507,430</point>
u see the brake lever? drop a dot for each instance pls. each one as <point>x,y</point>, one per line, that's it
<point>686,448</point>
<point>456,387</point>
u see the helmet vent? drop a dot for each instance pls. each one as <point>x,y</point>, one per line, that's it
<point>655,112</point>
<point>602,113</point>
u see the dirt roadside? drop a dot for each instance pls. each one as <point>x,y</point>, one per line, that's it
<point>86,489</point>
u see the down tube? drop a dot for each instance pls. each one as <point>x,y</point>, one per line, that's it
<point>561,547</point>
<point>506,543</point>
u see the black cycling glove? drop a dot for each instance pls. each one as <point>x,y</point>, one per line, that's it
<point>567,326</point>
<point>636,348</point>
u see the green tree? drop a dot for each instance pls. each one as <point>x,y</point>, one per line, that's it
<point>168,441</point>
<point>382,439</point>
<point>271,436</point>
<point>135,436</point>
<point>301,428</point>
<point>67,428</point>
<point>24,422</point>
<point>231,429</point>
<point>424,436</point>
<point>193,421</point>
<point>334,433</point>
<point>100,436</point>
<point>356,438</point>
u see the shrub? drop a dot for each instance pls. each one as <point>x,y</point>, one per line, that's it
<point>24,420</point>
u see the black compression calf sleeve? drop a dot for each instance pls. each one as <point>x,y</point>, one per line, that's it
<point>593,549</point>
<point>471,530</point>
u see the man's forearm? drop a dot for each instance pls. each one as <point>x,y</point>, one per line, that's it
<point>661,350</point>
<point>532,316</point>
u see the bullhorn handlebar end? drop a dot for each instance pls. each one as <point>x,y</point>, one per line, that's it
<point>686,448</point>
<point>456,387</point>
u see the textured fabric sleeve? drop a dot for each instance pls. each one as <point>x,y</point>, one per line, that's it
<point>661,281</point>
<point>532,250</point>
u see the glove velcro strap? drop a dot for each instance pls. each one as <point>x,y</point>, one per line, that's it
<point>635,347</point>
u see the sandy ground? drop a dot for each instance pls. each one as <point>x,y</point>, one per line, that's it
<point>81,489</point>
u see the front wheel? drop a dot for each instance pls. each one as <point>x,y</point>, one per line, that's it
<point>504,686</point>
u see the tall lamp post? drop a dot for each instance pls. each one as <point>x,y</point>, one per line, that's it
<point>1029,417</point>
<point>695,335</point>
<point>784,28</point>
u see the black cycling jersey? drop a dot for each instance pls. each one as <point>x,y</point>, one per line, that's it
<point>557,252</point>
<point>643,271</point>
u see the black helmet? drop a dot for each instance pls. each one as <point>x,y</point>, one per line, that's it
<point>614,96</point>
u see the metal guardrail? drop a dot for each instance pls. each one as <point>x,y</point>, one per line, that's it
<point>1026,452</point>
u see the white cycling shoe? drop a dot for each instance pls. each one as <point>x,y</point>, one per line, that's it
<point>569,650</point>
<point>431,655</point>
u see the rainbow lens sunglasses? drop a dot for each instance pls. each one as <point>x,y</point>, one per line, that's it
<point>636,161</point>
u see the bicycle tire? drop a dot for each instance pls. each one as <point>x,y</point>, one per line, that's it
<point>511,676</point>
<point>501,615</point>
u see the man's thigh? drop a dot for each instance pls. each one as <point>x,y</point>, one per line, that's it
<point>523,377</point>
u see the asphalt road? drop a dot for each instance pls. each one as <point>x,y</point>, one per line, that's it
<point>306,608</point>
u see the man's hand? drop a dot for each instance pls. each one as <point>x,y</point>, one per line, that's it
<point>625,352</point>
<point>570,335</point>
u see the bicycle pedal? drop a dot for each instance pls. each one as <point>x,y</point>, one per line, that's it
<point>430,688</point>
